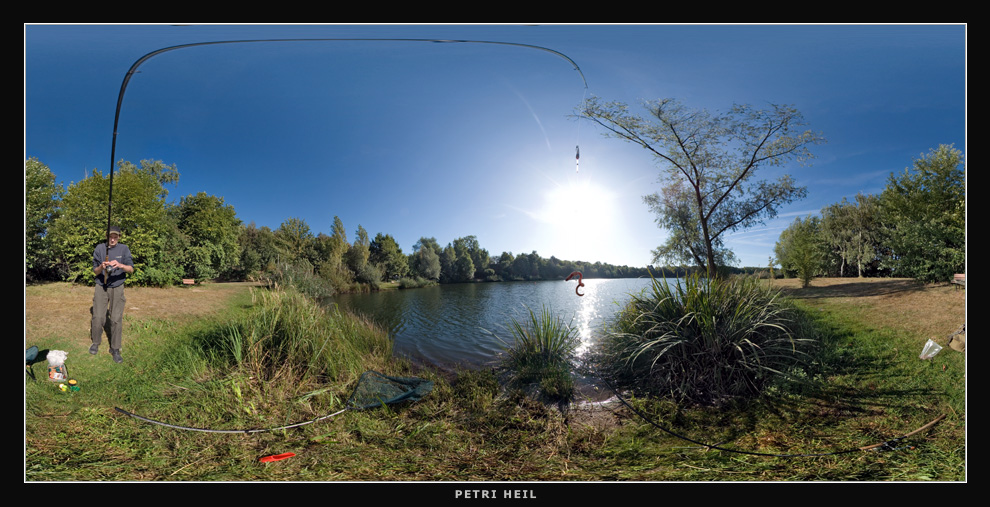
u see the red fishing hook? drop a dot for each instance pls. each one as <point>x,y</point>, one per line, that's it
<point>580,283</point>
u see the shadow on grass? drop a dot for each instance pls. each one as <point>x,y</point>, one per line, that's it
<point>854,289</point>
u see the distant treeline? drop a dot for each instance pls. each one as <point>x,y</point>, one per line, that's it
<point>201,237</point>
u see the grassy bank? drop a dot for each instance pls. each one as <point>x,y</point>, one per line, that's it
<point>870,387</point>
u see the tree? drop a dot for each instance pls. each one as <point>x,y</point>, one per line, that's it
<point>710,162</point>
<point>425,259</point>
<point>386,254</point>
<point>295,240</point>
<point>867,231</point>
<point>138,209</point>
<point>503,266</point>
<point>800,249</point>
<point>839,232</point>
<point>468,247</point>
<point>357,256</point>
<point>924,213</point>
<point>41,202</point>
<point>210,229</point>
<point>259,250</point>
<point>330,254</point>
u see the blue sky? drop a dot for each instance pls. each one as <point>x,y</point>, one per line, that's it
<point>419,139</point>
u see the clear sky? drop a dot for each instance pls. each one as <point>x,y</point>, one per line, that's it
<point>423,139</point>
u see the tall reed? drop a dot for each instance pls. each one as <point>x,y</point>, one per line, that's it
<point>288,331</point>
<point>704,340</point>
<point>539,360</point>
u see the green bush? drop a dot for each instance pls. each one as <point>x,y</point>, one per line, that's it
<point>300,274</point>
<point>703,340</point>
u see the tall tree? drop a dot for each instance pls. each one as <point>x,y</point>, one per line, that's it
<point>425,259</point>
<point>711,159</point>
<point>386,254</point>
<point>839,232</point>
<point>210,229</point>
<point>358,254</point>
<point>295,240</point>
<point>41,201</point>
<point>259,250</point>
<point>924,212</point>
<point>138,209</point>
<point>800,249</point>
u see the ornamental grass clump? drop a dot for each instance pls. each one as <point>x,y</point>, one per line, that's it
<point>704,340</point>
<point>539,361</point>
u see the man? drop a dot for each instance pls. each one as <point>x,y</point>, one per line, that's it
<point>111,268</point>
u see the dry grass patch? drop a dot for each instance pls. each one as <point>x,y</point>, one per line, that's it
<point>931,311</point>
<point>63,309</point>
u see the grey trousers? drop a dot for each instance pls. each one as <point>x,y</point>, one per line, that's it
<point>114,300</point>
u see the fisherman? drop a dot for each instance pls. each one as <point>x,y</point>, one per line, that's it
<point>111,266</point>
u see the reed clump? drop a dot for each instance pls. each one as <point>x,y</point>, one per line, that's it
<point>540,358</point>
<point>704,340</point>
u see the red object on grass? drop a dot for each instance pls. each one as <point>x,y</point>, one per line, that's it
<point>277,457</point>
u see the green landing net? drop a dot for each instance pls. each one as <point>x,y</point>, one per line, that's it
<point>374,390</point>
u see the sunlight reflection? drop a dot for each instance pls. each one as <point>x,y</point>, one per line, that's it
<point>587,313</point>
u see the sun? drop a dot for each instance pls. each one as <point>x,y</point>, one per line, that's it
<point>580,216</point>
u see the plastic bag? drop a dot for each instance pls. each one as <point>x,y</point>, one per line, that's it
<point>56,366</point>
<point>930,349</point>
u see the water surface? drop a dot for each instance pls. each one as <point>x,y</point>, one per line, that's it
<point>465,324</point>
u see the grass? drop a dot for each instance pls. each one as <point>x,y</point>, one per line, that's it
<point>870,387</point>
<point>539,361</point>
<point>705,340</point>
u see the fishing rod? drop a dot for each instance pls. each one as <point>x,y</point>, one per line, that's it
<point>244,431</point>
<point>140,61</point>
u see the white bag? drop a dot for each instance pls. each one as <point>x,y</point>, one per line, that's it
<point>931,348</point>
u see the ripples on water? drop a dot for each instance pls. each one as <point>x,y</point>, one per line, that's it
<point>453,325</point>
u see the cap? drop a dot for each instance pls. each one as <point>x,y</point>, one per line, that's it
<point>115,230</point>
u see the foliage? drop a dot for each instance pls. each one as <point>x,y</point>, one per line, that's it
<point>539,359</point>
<point>415,282</point>
<point>800,249</point>
<point>916,228</point>
<point>704,340</point>
<point>710,163</point>
<point>210,229</point>
<point>259,251</point>
<point>387,255</point>
<point>41,203</point>
<point>138,208</point>
<point>425,262</point>
<point>295,240</point>
<point>924,213</point>
<point>299,275</point>
<point>852,232</point>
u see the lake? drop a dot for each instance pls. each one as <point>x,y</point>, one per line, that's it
<point>462,324</point>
